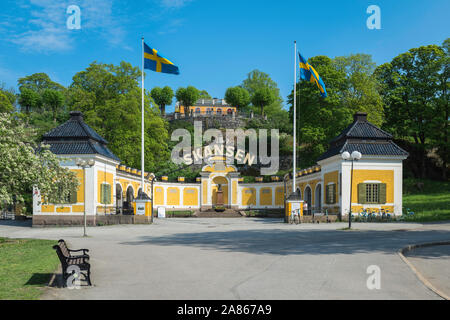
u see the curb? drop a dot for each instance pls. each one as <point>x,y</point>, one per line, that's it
<point>402,252</point>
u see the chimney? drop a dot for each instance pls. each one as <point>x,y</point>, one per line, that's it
<point>360,116</point>
<point>76,115</point>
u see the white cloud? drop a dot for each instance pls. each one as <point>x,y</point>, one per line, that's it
<point>46,29</point>
<point>174,3</point>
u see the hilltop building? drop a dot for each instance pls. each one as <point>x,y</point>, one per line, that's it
<point>205,107</point>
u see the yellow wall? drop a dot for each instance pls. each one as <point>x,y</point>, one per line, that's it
<point>234,192</point>
<point>63,209</point>
<point>159,196</point>
<point>48,208</point>
<point>279,196</point>
<point>80,190</point>
<point>205,192</point>
<point>76,208</point>
<point>385,176</point>
<point>102,177</point>
<point>190,198</point>
<point>173,198</point>
<point>248,198</point>
<point>265,199</point>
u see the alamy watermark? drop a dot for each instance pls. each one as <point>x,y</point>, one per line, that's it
<point>374,280</point>
<point>73,21</point>
<point>374,20</point>
<point>218,147</point>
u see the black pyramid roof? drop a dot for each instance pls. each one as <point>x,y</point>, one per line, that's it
<point>364,137</point>
<point>76,137</point>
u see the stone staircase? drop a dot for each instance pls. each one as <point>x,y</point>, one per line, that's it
<point>228,213</point>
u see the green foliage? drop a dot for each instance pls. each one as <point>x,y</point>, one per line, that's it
<point>24,165</point>
<point>262,97</point>
<point>38,82</point>
<point>257,80</point>
<point>162,97</point>
<point>350,87</point>
<point>53,100</point>
<point>29,100</point>
<point>110,98</point>
<point>5,103</point>
<point>204,95</point>
<point>238,97</point>
<point>361,93</point>
<point>10,93</point>
<point>187,96</point>
<point>414,88</point>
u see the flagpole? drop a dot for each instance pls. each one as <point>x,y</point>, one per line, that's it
<point>142,121</point>
<point>294,119</point>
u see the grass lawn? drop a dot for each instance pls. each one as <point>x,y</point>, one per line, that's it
<point>432,203</point>
<point>26,266</point>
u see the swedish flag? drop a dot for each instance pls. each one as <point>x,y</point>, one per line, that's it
<point>154,61</point>
<point>308,73</point>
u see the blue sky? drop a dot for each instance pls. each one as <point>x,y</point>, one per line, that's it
<point>215,43</point>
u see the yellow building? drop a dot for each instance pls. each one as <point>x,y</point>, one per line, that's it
<point>207,107</point>
<point>108,188</point>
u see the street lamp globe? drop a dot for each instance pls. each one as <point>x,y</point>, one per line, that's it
<point>356,155</point>
<point>78,161</point>
<point>345,155</point>
<point>91,162</point>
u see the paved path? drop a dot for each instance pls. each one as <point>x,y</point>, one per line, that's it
<point>243,258</point>
<point>434,264</point>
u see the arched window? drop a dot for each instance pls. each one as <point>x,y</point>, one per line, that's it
<point>308,199</point>
<point>197,110</point>
<point>219,111</point>
<point>229,111</point>
<point>318,197</point>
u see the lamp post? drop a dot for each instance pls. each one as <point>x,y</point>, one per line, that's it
<point>84,164</point>
<point>355,156</point>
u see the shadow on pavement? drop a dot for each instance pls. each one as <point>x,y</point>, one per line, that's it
<point>295,242</point>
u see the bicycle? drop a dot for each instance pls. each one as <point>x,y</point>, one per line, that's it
<point>363,215</point>
<point>294,217</point>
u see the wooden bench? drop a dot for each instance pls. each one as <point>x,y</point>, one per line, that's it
<point>81,261</point>
<point>68,252</point>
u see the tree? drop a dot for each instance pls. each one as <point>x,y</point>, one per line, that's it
<point>110,98</point>
<point>204,95</point>
<point>24,165</point>
<point>187,97</point>
<point>38,82</point>
<point>53,100</point>
<point>237,96</point>
<point>9,93</point>
<point>362,86</point>
<point>162,97</point>
<point>256,80</point>
<point>414,90</point>
<point>5,104</point>
<point>29,100</point>
<point>262,97</point>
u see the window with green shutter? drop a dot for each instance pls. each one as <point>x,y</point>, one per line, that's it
<point>330,194</point>
<point>369,193</point>
<point>73,197</point>
<point>105,194</point>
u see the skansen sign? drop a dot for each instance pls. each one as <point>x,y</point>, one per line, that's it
<point>233,147</point>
